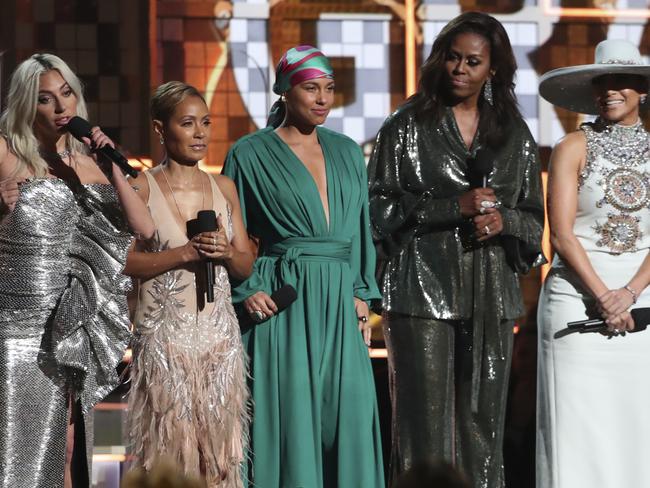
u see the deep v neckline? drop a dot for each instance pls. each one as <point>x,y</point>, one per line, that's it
<point>326,215</point>
<point>172,213</point>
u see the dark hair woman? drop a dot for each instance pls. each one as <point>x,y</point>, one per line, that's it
<point>188,397</point>
<point>304,193</point>
<point>593,388</point>
<point>456,205</point>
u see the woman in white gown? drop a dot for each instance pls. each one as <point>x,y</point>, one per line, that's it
<point>594,388</point>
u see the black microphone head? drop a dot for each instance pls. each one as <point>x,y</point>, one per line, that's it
<point>483,162</point>
<point>207,220</point>
<point>641,317</point>
<point>284,296</point>
<point>78,127</point>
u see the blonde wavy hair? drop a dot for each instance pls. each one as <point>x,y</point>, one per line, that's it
<point>17,120</point>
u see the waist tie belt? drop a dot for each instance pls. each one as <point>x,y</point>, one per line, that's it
<point>313,249</point>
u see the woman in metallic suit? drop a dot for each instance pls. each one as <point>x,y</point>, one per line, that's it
<point>454,242</point>
<point>63,243</point>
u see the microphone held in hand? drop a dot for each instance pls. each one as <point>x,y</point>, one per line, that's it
<point>641,317</point>
<point>205,221</point>
<point>480,167</point>
<point>282,297</point>
<point>80,128</point>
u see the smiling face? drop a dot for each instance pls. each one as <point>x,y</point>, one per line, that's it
<point>56,105</point>
<point>618,97</point>
<point>467,66</point>
<point>187,131</point>
<point>309,103</point>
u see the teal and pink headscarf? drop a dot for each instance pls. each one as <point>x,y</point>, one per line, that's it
<point>298,64</point>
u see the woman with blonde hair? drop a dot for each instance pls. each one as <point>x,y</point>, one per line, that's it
<point>64,238</point>
<point>188,396</point>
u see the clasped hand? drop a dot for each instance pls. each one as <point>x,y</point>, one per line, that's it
<point>480,204</point>
<point>614,307</point>
<point>212,245</point>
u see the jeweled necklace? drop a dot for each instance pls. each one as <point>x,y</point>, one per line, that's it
<point>62,155</point>
<point>624,145</point>
<point>198,171</point>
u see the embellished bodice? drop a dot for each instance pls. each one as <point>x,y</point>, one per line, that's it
<point>176,297</point>
<point>613,213</point>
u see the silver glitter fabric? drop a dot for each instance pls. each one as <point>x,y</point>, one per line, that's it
<point>188,398</point>
<point>615,188</point>
<point>63,321</point>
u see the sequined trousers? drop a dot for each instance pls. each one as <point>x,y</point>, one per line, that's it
<point>430,378</point>
<point>63,322</point>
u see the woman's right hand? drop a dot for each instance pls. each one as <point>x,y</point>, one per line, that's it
<point>620,323</point>
<point>470,202</point>
<point>9,193</point>
<point>614,302</point>
<point>260,302</point>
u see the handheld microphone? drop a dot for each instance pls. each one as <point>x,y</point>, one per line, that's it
<point>205,221</point>
<point>480,167</point>
<point>641,317</point>
<point>80,128</point>
<point>282,297</point>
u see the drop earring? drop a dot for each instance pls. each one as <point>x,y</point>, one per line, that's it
<point>487,92</point>
<point>283,99</point>
<point>643,99</point>
<point>162,141</point>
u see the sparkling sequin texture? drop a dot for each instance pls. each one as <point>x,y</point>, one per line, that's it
<point>448,299</point>
<point>63,320</point>
<point>616,177</point>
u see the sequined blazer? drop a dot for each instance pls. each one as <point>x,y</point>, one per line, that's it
<point>417,172</point>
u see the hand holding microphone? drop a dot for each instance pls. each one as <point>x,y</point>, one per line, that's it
<point>261,306</point>
<point>481,203</point>
<point>640,317</point>
<point>94,137</point>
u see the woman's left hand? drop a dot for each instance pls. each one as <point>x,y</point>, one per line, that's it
<point>488,224</point>
<point>363,317</point>
<point>615,302</point>
<point>214,245</point>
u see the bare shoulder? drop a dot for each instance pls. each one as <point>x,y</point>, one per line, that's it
<point>570,152</point>
<point>227,187</point>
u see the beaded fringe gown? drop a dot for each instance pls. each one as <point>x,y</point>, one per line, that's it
<point>188,397</point>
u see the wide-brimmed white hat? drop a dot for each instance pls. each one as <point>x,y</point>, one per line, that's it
<point>570,87</point>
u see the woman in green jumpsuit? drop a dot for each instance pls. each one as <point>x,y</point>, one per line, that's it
<point>303,192</point>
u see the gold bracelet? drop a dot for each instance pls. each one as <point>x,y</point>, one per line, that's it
<point>631,290</point>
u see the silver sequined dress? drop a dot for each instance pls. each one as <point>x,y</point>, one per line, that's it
<point>63,321</point>
<point>593,394</point>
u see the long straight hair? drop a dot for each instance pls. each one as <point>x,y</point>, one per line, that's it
<point>17,120</point>
<point>431,98</point>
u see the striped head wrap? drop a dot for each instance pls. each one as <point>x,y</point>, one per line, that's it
<point>300,64</point>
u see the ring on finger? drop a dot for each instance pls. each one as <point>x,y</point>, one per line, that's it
<point>487,204</point>
<point>486,229</point>
<point>481,210</point>
<point>258,315</point>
